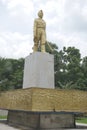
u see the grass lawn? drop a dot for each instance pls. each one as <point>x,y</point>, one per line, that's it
<point>82,120</point>
<point>3,117</point>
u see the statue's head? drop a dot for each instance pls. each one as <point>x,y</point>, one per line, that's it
<point>40,14</point>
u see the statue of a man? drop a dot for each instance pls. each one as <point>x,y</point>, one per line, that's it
<point>39,32</point>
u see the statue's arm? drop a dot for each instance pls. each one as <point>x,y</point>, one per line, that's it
<point>45,25</point>
<point>35,28</point>
<point>45,31</point>
<point>35,31</point>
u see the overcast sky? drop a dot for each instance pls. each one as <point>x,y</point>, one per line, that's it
<point>66,22</point>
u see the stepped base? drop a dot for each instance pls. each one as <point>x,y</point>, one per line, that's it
<point>41,120</point>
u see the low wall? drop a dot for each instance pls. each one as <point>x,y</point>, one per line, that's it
<point>38,99</point>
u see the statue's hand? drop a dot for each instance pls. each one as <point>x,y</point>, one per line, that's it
<point>35,39</point>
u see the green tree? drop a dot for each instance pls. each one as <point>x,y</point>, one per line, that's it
<point>83,80</point>
<point>11,73</point>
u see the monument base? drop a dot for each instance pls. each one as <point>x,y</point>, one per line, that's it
<point>39,70</point>
<point>41,120</point>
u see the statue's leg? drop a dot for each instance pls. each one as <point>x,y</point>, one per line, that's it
<point>43,47</point>
<point>43,41</point>
<point>35,47</point>
<point>36,41</point>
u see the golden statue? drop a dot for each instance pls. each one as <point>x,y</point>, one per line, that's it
<point>39,32</point>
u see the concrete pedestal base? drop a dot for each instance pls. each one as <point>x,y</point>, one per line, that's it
<point>41,120</point>
<point>39,70</point>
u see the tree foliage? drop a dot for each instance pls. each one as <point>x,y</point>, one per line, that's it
<point>70,69</point>
<point>11,73</point>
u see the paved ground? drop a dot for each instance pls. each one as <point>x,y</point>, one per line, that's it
<point>4,126</point>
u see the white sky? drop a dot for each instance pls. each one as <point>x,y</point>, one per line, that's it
<point>66,25</point>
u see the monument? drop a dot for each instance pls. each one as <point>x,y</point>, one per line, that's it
<point>39,73</point>
<point>39,66</point>
<point>39,106</point>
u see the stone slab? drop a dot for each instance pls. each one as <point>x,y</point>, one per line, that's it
<point>41,121</point>
<point>42,99</point>
<point>39,70</point>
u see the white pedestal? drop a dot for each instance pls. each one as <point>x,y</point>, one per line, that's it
<point>39,70</point>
